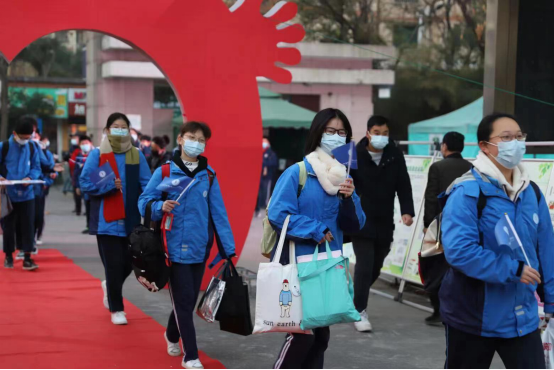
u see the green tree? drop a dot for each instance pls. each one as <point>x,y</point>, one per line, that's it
<point>4,104</point>
<point>36,105</point>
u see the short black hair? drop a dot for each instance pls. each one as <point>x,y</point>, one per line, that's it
<point>319,124</point>
<point>485,129</point>
<point>194,126</point>
<point>454,141</point>
<point>376,121</point>
<point>145,137</point>
<point>25,126</point>
<point>161,141</point>
<point>84,137</point>
<point>114,117</point>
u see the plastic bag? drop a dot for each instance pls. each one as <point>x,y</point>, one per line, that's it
<point>547,342</point>
<point>209,304</point>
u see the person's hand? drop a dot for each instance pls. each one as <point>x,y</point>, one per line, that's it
<point>425,230</point>
<point>58,167</point>
<point>118,184</point>
<point>280,303</point>
<point>26,179</point>
<point>78,191</point>
<point>169,205</point>
<point>265,171</point>
<point>328,237</point>
<point>530,276</point>
<point>53,175</point>
<point>407,220</point>
<point>347,188</point>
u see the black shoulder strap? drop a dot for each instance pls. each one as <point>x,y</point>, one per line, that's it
<point>5,148</point>
<point>481,204</point>
<point>537,191</point>
<point>32,147</point>
<point>211,177</point>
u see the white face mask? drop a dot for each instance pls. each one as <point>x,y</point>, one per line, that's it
<point>331,142</point>
<point>86,148</point>
<point>134,136</point>
<point>20,141</point>
<point>119,131</point>
<point>510,153</point>
<point>379,142</point>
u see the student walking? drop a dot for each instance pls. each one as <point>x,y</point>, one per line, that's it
<point>20,161</point>
<point>86,147</point>
<point>113,209</point>
<point>194,219</point>
<point>41,190</point>
<point>325,208</point>
<point>487,298</point>
<point>158,154</point>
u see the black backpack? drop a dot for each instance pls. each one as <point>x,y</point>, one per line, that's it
<point>150,260</point>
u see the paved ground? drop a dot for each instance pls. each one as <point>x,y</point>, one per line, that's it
<point>400,339</point>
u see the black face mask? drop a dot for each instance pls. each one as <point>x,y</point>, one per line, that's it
<point>155,152</point>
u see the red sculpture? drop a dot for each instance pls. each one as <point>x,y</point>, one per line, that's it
<point>210,55</point>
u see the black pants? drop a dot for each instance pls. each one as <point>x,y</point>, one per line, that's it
<point>263,194</point>
<point>23,218</point>
<point>78,202</point>
<point>116,258</point>
<point>304,351</point>
<point>184,287</point>
<point>87,210</point>
<point>435,302</point>
<point>468,351</point>
<point>370,255</point>
<point>40,204</point>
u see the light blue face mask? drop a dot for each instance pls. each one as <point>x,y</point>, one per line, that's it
<point>193,148</point>
<point>510,153</point>
<point>379,141</point>
<point>119,131</point>
<point>331,142</point>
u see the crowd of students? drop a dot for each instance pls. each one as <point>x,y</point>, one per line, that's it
<point>487,300</point>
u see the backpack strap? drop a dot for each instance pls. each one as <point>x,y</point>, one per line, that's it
<point>211,177</point>
<point>166,172</point>
<point>537,191</point>
<point>302,177</point>
<point>5,149</point>
<point>481,204</point>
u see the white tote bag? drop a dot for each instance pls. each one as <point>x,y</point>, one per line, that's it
<point>548,342</point>
<point>278,298</point>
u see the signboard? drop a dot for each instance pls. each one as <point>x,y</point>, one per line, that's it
<point>57,97</point>
<point>77,95</point>
<point>78,109</point>
<point>418,167</point>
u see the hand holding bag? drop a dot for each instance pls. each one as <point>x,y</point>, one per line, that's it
<point>278,295</point>
<point>327,291</point>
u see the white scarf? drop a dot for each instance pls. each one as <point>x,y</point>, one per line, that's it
<point>330,173</point>
<point>521,178</point>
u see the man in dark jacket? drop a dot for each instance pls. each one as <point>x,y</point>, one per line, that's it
<point>441,175</point>
<point>381,175</point>
<point>269,166</point>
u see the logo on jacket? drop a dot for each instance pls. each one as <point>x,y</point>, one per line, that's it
<point>102,174</point>
<point>175,182</point>
<point>536,218</point>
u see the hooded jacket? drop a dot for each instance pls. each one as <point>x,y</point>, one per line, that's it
<point>191,236</point>
<point>314,212</point>
<point>19,164</point>
<point>481,294</point>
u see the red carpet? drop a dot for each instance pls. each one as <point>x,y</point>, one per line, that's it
<point>54,318</point>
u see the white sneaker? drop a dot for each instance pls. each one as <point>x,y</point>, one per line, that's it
<point>118,318</point>
<point>192,364</point>
<point>105,289</point>
<point>39,241</point>
<point>173,349</point>
<point>20,255</point>
<point>363,325</point>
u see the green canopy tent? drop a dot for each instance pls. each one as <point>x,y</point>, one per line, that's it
<point>464,120</point>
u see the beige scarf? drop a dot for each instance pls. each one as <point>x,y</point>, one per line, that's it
<point>330,173</point>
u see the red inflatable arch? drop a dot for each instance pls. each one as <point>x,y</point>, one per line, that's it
<point>211,55</point>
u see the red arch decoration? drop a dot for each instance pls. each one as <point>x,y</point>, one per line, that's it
<point>210,55</point>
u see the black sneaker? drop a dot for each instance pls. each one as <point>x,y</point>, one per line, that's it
<point>434,319</point>
<point>8,263</point>
<point>29,265</point>
<point>85,231</point>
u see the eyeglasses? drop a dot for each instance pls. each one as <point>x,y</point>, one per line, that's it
<point>332,131</point>
<point>510,137</point>
<point>192,138</point>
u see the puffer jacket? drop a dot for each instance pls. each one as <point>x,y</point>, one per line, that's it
<point>191,236</point>
<point>313,213</point>
<point>482,294</point>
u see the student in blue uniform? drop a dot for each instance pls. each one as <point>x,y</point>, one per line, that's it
<point>190,225</point>
<point>86,147</point>
<point>20,161</point>
<point>326,207</point>
<point>113,209</point>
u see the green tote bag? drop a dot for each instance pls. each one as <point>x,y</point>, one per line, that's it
<point>327,291</point>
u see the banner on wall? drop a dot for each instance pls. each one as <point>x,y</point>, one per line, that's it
<point>402,261</point>
<point>56,97</point>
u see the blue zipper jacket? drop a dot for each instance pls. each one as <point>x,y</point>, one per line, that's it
<point>98,225</point>
<point>44,176</point>
<point>313,213</point>
<point>481,293</point>
<point>77,170</point>
<point>20,165</point>
<point>191,236</point>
